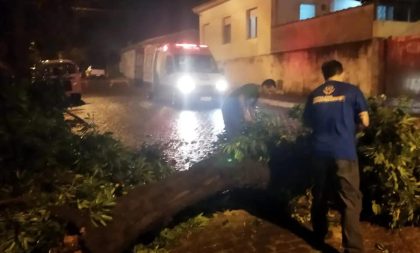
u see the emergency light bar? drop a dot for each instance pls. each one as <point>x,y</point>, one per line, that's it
<point>186,46</point>
<point>190,46</point>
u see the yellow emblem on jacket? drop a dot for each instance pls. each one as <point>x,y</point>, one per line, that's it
<point>328,90</point>
<point>328,98</point>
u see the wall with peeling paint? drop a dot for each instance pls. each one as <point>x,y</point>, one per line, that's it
<point>298,72</point>
<point>403,66</point>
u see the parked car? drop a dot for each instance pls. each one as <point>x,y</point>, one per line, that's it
<point>93,71</point>
<point>65,69</point>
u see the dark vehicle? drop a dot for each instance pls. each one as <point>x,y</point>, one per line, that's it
<point>64,69</point>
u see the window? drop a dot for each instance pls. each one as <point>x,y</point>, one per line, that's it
<point>252,22</point>
<point>227,30</point>
<point>307,11</point>
<point>385,12</point>
<point>204,34</point>
<point>58,69</point>
<point>339,5</point>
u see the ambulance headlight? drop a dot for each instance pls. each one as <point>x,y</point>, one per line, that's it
<point>222,85</point>
<point>185,84</point>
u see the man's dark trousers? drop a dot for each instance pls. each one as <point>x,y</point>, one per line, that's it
<point>232,117</point>
<point>344,175</point>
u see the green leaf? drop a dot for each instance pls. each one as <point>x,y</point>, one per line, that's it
<point>376,208</point>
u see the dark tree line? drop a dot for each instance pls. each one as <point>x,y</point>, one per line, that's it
<point>86,30</point>
<point>33,28</point>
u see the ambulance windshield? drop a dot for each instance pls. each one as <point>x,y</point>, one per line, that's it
<point>195,63</point>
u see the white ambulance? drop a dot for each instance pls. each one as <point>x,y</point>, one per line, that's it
<point>183,72</point>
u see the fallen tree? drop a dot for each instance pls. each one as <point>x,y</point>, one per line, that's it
<point>258,160</point>
<point>152,206</point>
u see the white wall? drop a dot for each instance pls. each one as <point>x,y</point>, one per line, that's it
<point>385,29</point>
<point>127,63</point>
<point>240,45</point>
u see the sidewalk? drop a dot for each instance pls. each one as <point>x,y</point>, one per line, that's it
<point>289,101</point>
<point>284,101</point>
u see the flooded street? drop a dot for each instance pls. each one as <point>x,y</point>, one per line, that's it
<point>188,135</point>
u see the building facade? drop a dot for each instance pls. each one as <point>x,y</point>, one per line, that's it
<point>287,40</point>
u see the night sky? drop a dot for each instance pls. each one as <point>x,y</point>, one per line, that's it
<point>131,21</point>
<point>140,19</point>
<point>134,20</point>
<point>102,27</point>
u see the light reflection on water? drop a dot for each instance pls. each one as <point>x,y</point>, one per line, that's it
<point>217,120</point>
<point>187,126</point>
<point>194,135</point>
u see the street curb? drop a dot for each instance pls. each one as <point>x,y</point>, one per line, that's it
<point>277,103</point>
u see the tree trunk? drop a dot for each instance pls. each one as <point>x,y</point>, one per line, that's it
<point>151,206</point>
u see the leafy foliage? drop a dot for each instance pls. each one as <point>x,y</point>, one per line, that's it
<point>296,112</point>
<point>101,153</point>
<point>45,165</point>
<point>285,148</point>
<point>259,138</point>
<point>390,151</point>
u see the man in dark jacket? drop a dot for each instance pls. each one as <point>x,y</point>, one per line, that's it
<point>238,107</point>
<point>334,111</point>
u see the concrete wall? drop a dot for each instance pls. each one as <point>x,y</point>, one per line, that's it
<point>385,29</point>
<point>240,45</point>
<point>299,72</point>
<point>345,26</point>
<point>127,63</point>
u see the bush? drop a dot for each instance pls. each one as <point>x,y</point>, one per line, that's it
<point>284,148</point>
<point>45,165</point>
<point>260,138</point>
<point>390,158</point>
<point>389,153</point>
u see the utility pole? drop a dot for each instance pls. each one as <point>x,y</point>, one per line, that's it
<point>19,46</point>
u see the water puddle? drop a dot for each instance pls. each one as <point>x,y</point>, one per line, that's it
<point>193,136</point>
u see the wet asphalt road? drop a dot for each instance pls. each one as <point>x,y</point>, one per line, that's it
<point>188,134</point>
